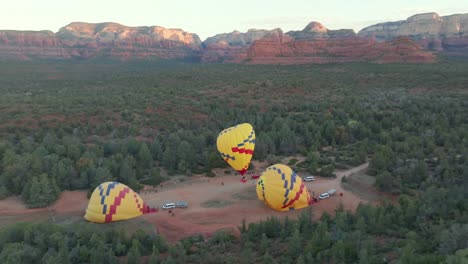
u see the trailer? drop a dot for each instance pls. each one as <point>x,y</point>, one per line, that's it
<point>332,192</point>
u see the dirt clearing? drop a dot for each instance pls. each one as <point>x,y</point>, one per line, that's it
<point>215,203</point>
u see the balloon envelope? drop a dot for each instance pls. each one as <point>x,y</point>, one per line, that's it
<point>113,201</point>
<point>281,189</point>
<point>236,145</point>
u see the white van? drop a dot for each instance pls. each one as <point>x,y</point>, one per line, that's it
<point>169,206</point>
<point>309,178</point>
<point>324,196</point>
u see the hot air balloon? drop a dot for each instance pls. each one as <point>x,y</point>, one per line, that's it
<point>113,201</point>
<point>236,145</point>
<point>281,189</point>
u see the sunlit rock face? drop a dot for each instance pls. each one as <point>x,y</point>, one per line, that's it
<point>448,34</point>
<point>420,38</point>
<point>88,40</point>
<point>314,44</point>
<point>278,48</point>
<point>230,47</point>
<point>315,30</point>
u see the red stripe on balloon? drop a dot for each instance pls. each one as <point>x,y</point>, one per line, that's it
<point>242,150</point>
<point>298,194</point>
<point>117,201</point>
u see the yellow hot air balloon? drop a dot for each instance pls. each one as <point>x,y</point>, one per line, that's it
<point>281,189</point>
<point>113,201</point>
<point>236,145</point>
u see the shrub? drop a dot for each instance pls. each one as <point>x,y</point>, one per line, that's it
<point>292,161</point>
<point>210,174</point>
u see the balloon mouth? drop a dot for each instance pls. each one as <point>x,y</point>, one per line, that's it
<point>242,172</point>
<point>148,210</point>
<point>311,200</point>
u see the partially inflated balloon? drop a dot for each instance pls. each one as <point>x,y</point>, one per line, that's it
<point>113,201</point>
<point>281,189</point>
<point>236,145</point>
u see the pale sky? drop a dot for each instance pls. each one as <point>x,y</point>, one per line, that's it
<point>209,17</point>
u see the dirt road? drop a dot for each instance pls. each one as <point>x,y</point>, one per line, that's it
<point>340,174</point>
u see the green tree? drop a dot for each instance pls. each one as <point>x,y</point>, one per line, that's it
<point>454,238</point>
<point>134,254</point>
<point>41,192</point>
<point>169,159</point>
<point>13,253</point>
<point>268,259</point>
<point>313,161</point>
<point>156,149</point>
<point>364,257</point>
<point>384,181</point>
<point>407,255</point>
<point>126,172</point>
<point>295,244</point>
<point>102,175</point>
<point>264,244</point>
<point>144,156</point>
<point>155,176</point>
<point>154,257</point>
<point>186,153</point>
<point>328,131</point>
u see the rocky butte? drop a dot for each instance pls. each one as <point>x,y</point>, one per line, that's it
<point>88,40</point>
<point>317,44</point>
<point>230,47</point>
<point>446,34</point>
<point>418,39</point>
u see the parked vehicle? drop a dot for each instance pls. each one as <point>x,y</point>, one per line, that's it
<point>324,196</point>
<point>309,178</point>
<point>169,206</point>
<point>181,204</point>
<point>332,192</point>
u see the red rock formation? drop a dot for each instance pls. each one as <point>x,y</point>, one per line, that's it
<point>87,40</point>
<point>314,44</point>
<point>446,34</point>
<point>317,44</point>
<point>277,48</point>
<point>25,44</point>
<point>230,47</point>
<point>223,52</point>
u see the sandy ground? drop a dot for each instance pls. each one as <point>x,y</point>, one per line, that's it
<point>214,203</point>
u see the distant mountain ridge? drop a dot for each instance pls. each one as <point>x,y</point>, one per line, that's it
<point>448,34</point>
<point>418,39</point>
<point>88,40</point>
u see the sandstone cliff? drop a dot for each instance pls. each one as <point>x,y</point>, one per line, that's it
<point>24,44</point>
<point>314,44</point>
<point>88,40</point>
<point>446,33</point>
<point>278,48</point>
<point>315,30</point>
<point>230,47</point>
<point>416,39</point>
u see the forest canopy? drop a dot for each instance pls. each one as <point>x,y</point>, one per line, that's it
<point>73,126</point>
